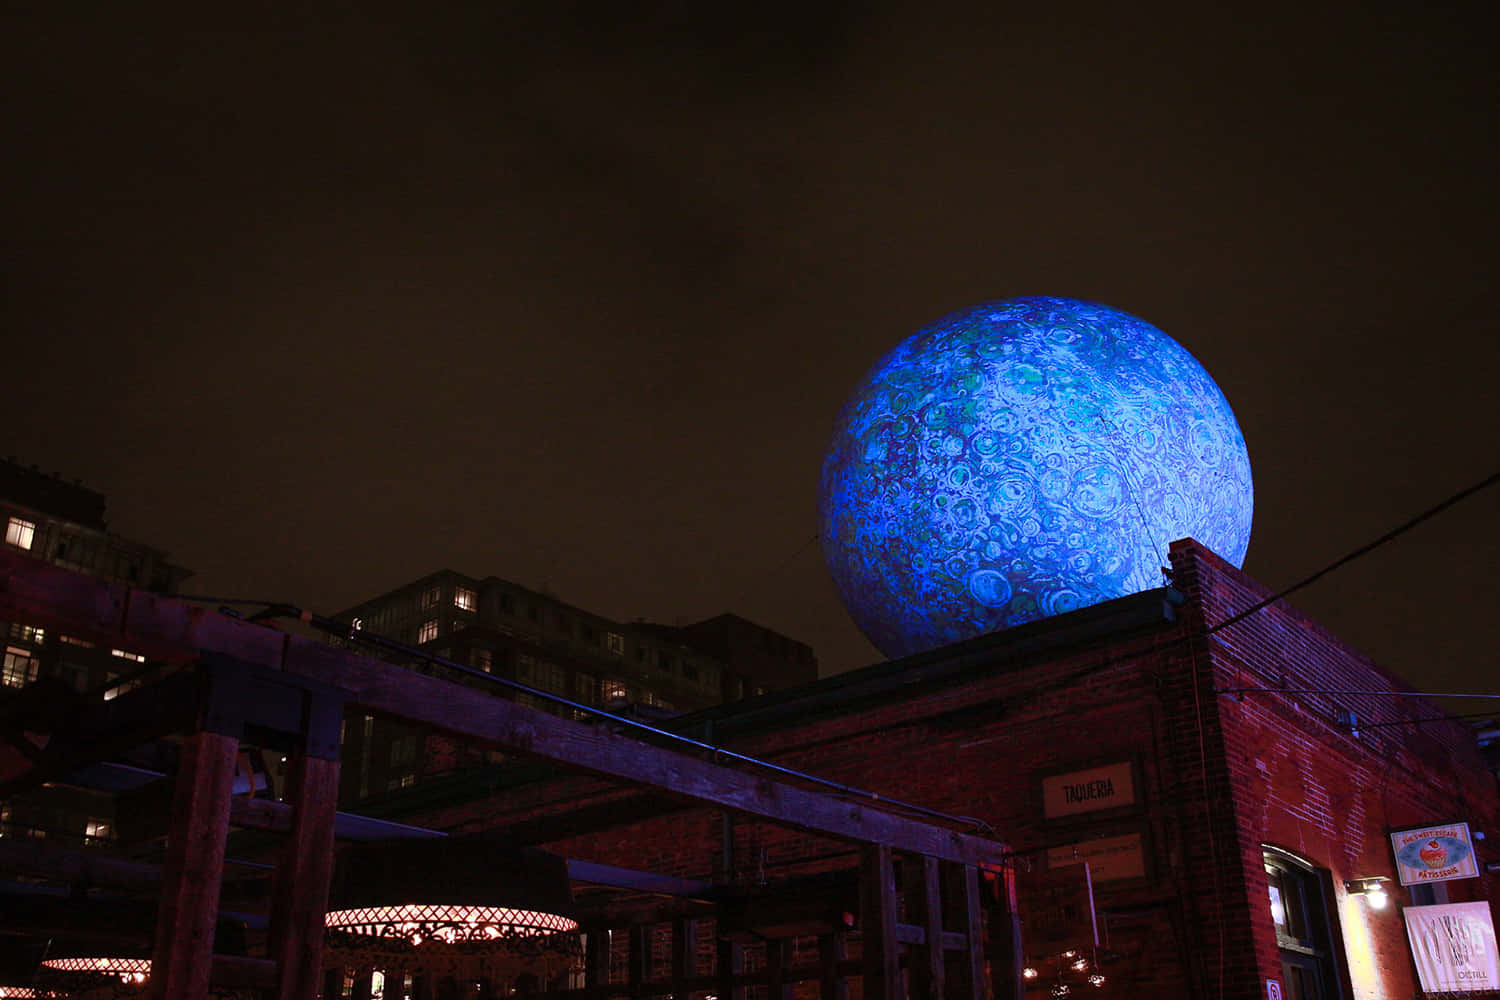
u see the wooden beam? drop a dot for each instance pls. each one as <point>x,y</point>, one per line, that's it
<point>961,891</point>
<point>833,951</point>
<point>925,906</point>
<point>32,591</point>
<point>882,953</point>
<point>392,690</point>
<point>730,971</point>
<point>684,948</point>
<point>300,887</point>
<point>191,878</point>
<point>61,864</point>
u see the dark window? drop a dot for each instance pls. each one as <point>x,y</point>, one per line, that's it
<point>1305,934</point>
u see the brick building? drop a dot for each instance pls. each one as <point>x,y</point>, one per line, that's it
<point>63,523</point>
<point>1232,789</point>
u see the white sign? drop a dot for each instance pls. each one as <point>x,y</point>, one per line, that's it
<point>1273,989</point>
<point>1453,945</point>
<point>1106,787</point>
<point>1434,854</point>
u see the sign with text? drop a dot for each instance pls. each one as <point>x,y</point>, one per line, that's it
<point>1110,859</point>
<point>1453,945</point>
<point>1434,853</point>
<point>1105,787</point>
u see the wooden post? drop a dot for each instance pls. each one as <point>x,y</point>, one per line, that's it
<point>640,957</point>
<point>832,950</point>
<point>193,872</point>
<point>967,974</point>
<point>684,950</point>
<point>596,957</point>
<point>731,966</point>
<point>300,893</point>
<point>778,965</point>
<point>882,957</point>
<point>925,909</point>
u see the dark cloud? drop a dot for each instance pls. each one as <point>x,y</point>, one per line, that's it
<point>571,293</point>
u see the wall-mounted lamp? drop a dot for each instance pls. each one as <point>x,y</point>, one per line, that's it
<point>1372,888</point>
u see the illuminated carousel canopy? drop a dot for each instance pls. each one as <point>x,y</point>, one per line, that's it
<point>453,891</point>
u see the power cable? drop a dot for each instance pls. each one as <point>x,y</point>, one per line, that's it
<point>1394,533</point>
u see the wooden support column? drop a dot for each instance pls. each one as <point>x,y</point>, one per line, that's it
<point>333,984</point>
<point>966,973</point>
<point>924,905</point>
<point>684,949</point>
<point>778,969</point>
<point>731,966</point>
<point>596,957</point>
<point>300,893</point>
<point>640,957</point>
<point>832,950</point>
<point>193,873</point>
<point>882,957</point>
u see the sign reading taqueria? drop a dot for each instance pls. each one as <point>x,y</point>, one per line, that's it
<point>1108,786</point>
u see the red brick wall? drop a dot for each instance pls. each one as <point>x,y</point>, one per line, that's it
<point>1220,775</point>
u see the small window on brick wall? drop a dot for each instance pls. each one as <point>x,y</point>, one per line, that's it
<point>20,667</point>
<point>20,533</point>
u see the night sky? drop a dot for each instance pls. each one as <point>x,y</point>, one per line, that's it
<point>571,293</point>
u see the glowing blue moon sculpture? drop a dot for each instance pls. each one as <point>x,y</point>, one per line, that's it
<point>1020,459</point>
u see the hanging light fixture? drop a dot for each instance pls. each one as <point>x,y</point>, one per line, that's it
<point>1372,888</point>
<point>126,969</point>
<point>467,892</point>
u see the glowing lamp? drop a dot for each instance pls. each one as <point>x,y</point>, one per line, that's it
<point>463,891</point>
<point>1372,888</point>
<point>127,970</point>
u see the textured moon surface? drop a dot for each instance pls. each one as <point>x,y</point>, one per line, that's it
<point>1020,459</point>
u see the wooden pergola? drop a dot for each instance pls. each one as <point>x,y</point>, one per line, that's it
<point>240,682</point>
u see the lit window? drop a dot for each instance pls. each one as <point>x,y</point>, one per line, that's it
<point>428,631</point>
<point>482,659</point>
<point>615,643</point>
<point>20,533</point>
<point>407,780</point>
<point>122,654</point>
<point>28,633</point>
<point>97,831</point>
<point>465,599</point>
<point>20,667</point>
<point>431,597</point>
<point>75,641</point>
<point>614,691</point>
